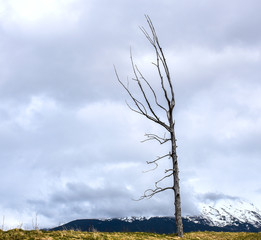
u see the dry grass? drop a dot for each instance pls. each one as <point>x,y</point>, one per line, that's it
<point>18,234</point>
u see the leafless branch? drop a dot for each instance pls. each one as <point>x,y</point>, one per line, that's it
<point>159,158</point>
<point>163,59</point>
<point>155,162</point>
<point>132,109</point>
<point>155,137</point>
<point>134,68</point>
<point>152,90</point>
<point>156,183</point>
<point>141,108</point>
<point>156,166</point>
<point>137,103</point>
<point>155,43</point>
<point>149,193</point>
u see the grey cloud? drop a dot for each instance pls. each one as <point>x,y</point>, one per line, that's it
<point>71,70</point>
<point>64,126</point>
<point>68,69</point>
<point>78,199</point>
<point>215,197</point>
<point>75,192</point>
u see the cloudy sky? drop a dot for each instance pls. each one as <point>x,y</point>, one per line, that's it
<point>70,147</point>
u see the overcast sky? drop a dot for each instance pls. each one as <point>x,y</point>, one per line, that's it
<point>70,147</point>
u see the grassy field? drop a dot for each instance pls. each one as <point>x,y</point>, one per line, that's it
<point>18,234</point>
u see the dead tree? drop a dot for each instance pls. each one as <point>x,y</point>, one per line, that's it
<point>149,108</point>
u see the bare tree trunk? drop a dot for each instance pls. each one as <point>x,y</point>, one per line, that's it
<point>176,188</point>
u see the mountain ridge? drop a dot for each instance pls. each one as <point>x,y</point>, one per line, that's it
<point>228,216</point>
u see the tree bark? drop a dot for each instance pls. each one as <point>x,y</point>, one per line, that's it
<point>176,188</point>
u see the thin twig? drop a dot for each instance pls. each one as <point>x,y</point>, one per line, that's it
<point>155,137</point>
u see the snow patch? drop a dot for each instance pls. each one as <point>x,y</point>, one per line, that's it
<point>230,212</point>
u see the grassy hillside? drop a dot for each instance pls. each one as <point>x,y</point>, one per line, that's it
<point>18,234</point>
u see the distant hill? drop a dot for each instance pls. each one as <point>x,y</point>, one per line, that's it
<point>155,224</point>
<point>227,216</point>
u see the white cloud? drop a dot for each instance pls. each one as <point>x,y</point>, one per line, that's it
<point>39,16</point>
<point>30,116</point>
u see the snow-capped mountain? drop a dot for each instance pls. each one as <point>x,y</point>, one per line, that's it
<point>223,215</point>
<point>228,212</point>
